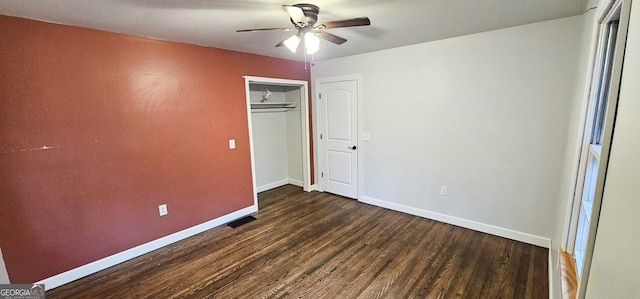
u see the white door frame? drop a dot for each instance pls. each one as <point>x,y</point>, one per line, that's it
<point>319,144</point>
<point>304,117</point>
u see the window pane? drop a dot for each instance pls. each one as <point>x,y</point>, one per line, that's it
<point>581,240</point>
<point>589,187</point>
<point>603,84</point>
<point>588,191</point>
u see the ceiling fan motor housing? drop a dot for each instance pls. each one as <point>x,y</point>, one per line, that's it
<point>310,12</point>
<point>304,17</point>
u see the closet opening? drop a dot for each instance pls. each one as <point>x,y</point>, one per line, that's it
<point>278,117</point>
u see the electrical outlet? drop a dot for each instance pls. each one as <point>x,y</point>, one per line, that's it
<point>162,209</point>
<point>232,143</point>
<point>444,190</point>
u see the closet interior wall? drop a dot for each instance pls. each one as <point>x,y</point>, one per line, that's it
<point>277,138</point>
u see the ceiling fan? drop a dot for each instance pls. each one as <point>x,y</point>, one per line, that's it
<point>304,17</point>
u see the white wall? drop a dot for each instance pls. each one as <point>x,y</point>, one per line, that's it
<point>270,148</point>
<point>615,271</point>
<point>294,136</point>
<point>257,90</point>
<point>485,114</point>
<point>277,139</point>
<point>4,276</point>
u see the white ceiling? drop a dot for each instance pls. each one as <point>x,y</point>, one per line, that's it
<point>214,22</point>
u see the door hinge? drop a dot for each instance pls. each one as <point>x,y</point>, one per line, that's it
<point>319,96</point>
<point>320,135</point>
<point>321,174</point>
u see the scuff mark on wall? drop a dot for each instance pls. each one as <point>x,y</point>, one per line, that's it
<point>43,148</point>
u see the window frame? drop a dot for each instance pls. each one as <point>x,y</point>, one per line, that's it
<point>614,10</point>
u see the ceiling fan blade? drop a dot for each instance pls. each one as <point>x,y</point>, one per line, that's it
<point>364,21</point>
<point>296,14</point>
<point>331,37</point>
<point>281,43</point>
<point>265,29</point>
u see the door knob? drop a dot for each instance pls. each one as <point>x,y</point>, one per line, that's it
<point>353,147</point>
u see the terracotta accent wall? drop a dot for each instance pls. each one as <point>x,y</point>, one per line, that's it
<point>97,129</point>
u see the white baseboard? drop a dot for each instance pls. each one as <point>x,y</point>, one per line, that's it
<point>112,260</point>
<point>555,280</point>
<point>296,182</point>
<point>477,226</point>
<point>270,186</point>
<point>279,183</point>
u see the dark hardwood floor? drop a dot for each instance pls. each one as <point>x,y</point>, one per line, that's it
<point>318,245</point>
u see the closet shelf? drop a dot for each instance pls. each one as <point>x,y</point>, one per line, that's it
<point>272,106</point>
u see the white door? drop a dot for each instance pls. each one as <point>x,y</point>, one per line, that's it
<point>338,111</point>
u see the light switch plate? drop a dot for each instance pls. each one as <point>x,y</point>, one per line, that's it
<point>162,210</point>
<point>444,191</point>
<point>366,136</point>
<point>232,143</point>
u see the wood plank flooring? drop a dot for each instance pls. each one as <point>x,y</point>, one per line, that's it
<point>318,245</point>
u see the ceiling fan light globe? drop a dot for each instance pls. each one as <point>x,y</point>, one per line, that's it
<point>311,43</point>
<point>292,43</point>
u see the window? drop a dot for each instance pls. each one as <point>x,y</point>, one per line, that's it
<point>594,146</point>
<point>597,132</point>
